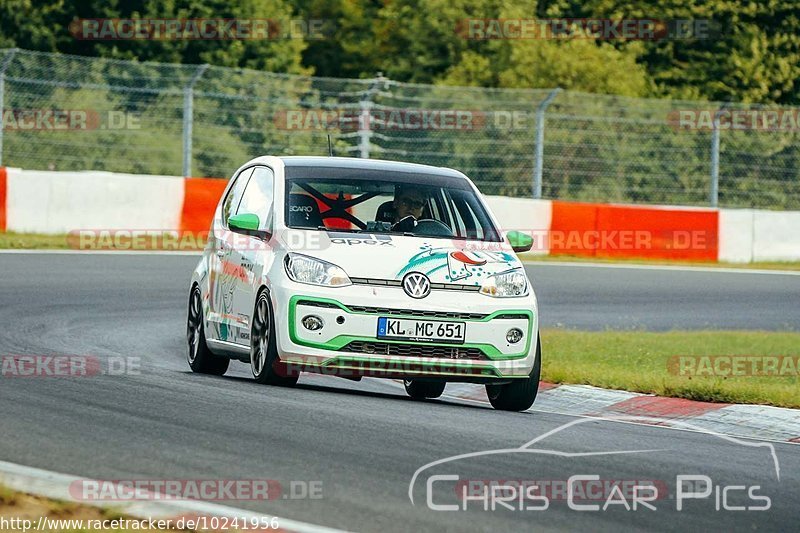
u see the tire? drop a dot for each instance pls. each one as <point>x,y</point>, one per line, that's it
<point>264,361</point>
<point>421,390</point>
<point>520,394</point>
<point>200,358</point>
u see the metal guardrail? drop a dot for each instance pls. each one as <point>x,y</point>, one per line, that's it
<point>75,113</point>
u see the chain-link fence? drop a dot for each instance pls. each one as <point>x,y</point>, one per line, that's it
<point>75,113</point>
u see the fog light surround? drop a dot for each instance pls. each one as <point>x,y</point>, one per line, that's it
<point>514,335</point>
<point>312,322</point>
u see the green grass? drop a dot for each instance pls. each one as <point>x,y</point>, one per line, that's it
<point>638,361</point>
<point>10,240</point>
<point>8,497</point>
<point>12,503</point>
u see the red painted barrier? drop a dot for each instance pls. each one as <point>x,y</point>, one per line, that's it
<point>201,196</point>
<point>3,184</point>
<point>620,231</point>
<point>200,199</point>
<point>570,222</point>
<point>580,229</point>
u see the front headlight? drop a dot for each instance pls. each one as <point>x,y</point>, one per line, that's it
<point>506,284</point>
<point>305,269</point>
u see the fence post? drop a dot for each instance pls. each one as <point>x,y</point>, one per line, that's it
<point>539,149</point>
<point>3,67</point>
<point>188,120</point>
<point>714,193</point>
<point>365,116</point>
<point>364,131</point>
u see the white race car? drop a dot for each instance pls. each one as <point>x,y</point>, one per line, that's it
<point>357,267</point>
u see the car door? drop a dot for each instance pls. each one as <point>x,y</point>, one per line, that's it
<point>220,283</point>
<point>251,255</point>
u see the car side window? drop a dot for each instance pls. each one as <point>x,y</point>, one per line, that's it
<point>258,196</point>
<point>467,219</point>
<point>444,216</point>
<point>235,195</point>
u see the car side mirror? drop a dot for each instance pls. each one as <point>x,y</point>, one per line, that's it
<point>247,224</point>
<point>520,242</point>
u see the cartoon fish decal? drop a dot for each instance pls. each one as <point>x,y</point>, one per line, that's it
<point>469,258</point>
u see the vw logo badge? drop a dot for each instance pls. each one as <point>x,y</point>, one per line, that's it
<point>417,285</point>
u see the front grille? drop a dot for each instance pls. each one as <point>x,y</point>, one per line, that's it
<point>388,311</point>
<point>416,312</point>
<point>414,350</point>
<point>379,282</point>
<point>326,305</point>
<point>398,283</point>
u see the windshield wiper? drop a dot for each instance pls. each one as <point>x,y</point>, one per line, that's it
<point>325,228</point>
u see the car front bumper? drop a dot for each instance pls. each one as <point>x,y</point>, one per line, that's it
<point>347,345</point>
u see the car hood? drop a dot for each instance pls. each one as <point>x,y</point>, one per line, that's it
<point>390,257</point>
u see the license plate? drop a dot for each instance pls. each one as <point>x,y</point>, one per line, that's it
<point>421,330</point>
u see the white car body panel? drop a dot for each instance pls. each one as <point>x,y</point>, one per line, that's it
<point>235,267</point>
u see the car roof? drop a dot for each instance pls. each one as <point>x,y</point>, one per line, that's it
<point>368,164</point>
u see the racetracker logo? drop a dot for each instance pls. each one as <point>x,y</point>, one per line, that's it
<point>746,119</point>
<point>594,29</point>
<point>67,366</point>
<point>734,365</point>
<point>199,29</point>
<point>380,118</point>
<point>138,240</point>
<point>93,490</point>
<point>591,240</point>
<point>144,240</point>
<point>31,119</point>
<point>387,368</point>
<point>560,490</point>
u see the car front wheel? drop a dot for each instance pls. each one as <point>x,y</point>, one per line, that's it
<point>520,394</point>
<point>421,390</point>
<point>264,361</point>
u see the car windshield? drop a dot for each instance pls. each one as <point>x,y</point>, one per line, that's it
<point>388,202</point>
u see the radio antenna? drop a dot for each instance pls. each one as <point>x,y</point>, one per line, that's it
<point>330,146</point>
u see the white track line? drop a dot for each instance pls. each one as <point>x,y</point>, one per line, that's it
<point>56,486</point>
<point>600,417</point>
<point>99,252</point>
<point>592,392</point>
<point>677,268</point>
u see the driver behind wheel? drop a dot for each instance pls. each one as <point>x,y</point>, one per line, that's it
<point>408,201</point>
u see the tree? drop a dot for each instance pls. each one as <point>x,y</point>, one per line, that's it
<point>46,27</point>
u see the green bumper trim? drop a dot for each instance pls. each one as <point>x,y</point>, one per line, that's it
<point>341,341</point>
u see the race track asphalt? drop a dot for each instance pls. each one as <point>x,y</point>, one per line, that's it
<point>364,441</point>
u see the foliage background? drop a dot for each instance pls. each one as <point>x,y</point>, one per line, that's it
<point>606,137</point>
